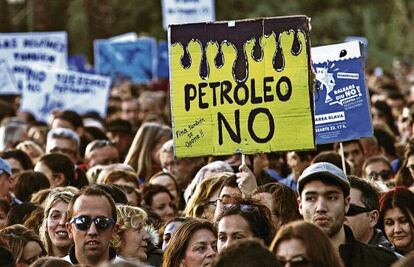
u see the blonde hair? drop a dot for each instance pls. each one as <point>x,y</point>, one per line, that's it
<point>116,175</point>
<point>53,198</point>
<point>139,155</point>
<point>203,192</point>
<point>129,217</point>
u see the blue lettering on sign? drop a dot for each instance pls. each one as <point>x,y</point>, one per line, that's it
<point>31,75</point>
<point>49,105</point>
<point>34,57</point>
<point>8,43</point>
<point>44,43</point>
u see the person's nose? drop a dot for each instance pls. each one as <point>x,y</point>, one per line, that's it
<point>211,252</point>
<point>92,229</point>
<point>146,236</point>
<point>62,220</point>
<point>397,227</point>
<point>321,205</point>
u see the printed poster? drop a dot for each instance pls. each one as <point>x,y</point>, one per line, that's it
<point>342,110</point>
<point>241,86</point>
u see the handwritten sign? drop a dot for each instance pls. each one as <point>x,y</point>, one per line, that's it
<point>7,82</point>
<point>341,100</point>
<point>187,11</point>
<point>20,50</point>
<point>133,61</point>
<point>241,86</point>
<point>47,90</point>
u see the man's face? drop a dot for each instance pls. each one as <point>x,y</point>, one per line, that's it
<point>60,123</point>
<point>5,184</point>
<point>323,205</point>
<point>378,171</point>
<point>355,155</point>
<point>360,223</point>
<point>64,146</point>
<point>296,164</point>
<point>129,111</point>
<point>102,156</point>
<point>122,140</point>
<point>92,245</point>
<point>227,195</point>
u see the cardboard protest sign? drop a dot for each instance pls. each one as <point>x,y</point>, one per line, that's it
<point>7,82</point>
<point>342,110</point>
<point>133,61</point>
<point>20,50</point>
<point>162,62</point>
<point>47,90</point>
<point>241,86</point>
<point>181,12</point>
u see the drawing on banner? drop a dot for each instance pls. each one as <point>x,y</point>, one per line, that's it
<point>241,86</point>
<point>341,99</point>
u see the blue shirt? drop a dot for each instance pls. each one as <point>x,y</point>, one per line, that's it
<point>290,182</point>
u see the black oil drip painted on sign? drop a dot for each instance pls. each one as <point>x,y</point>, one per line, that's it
<point>238,35</point>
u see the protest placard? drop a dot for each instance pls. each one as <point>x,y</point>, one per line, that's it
<point>241,86</point>
<point>7,82</point>
<point>20,50</point>
<point>48,90</point>
<point>162,62</point>
<point>342,110</point>
<point>181,12</point>
<point>133,61</point>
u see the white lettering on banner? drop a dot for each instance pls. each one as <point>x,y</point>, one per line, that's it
<point>329,117</point>
<point>348,75</point>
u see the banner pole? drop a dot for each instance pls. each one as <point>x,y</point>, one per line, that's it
<point>342,157</point>
<point>243,159</point>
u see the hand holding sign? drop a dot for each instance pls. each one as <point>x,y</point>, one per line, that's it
<point>246,180</point>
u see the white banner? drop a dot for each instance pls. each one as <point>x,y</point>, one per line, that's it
<point>7,82</point>
<point>187,11</point>
<point>47,90</point>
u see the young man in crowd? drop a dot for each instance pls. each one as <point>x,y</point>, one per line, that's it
<point>324,200</point>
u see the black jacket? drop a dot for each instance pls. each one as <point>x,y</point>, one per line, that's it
<point>357,254</point>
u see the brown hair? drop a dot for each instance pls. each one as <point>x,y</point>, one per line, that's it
<point>116,175</point>
<point>321,253</point>
<point>179,241</point>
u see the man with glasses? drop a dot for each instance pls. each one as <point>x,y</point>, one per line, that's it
<point>363,214</point>
<point>378,168</point>
<point>91,224</point>
<point>65,141</point>
<point>323,200</point>
<point>101,152</point>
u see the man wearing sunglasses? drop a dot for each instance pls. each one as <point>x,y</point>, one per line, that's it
<point>323,200</point>
<point>363,214</point>
<point>91,224</point>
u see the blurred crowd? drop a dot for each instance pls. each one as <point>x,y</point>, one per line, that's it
<point>81,190</point>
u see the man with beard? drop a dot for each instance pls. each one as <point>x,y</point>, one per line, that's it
<point>92,223</point>
<point>323,200</point>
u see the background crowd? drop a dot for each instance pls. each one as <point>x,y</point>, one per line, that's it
<point>87,191</point>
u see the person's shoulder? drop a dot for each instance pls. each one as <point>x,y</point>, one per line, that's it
<point>380,253</point>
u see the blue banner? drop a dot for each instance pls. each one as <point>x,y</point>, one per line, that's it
<point>162,68</point>
<point>342,110</point>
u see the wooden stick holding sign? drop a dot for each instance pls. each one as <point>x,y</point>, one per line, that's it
<point>341,149</point>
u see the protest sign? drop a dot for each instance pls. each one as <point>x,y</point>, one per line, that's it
<point>241,86</point>
<point>7,82</point>
<point>79,63</point>
<point>47,90</point>
<point>20,50</point>
<point>162,62</point>
<point>181,12</point>
<point>133,61</point>
<point>342,109</point>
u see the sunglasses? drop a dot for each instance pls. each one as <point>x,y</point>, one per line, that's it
<point>355,210</point>
<point>384,174</point>
<point>83,222</point>
<point>295,261</point>
<point>242,207</point>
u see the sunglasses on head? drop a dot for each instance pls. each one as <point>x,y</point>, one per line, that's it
<point>83,222</point>
<point>242,207</point>
<point>355,210</point>
<point>295,261</point>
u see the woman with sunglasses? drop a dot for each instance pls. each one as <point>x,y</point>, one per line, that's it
<point>53,231</point>
<point>300,244</point>
<point>244,219</point>
<point>194,244</point>
<point>132,238</point>
<point>396,218</point>
<point>23,243</point>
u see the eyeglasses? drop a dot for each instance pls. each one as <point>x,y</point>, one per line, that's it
<point>295,261</point>
<point>355,210</point>
<point>98,144</point>
<point>83,222</point>
<point>242,207</point>
<point>384,174</point>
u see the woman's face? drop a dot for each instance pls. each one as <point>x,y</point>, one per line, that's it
<point>43,168</point>
<point>155,153</point>
<point>56,228</point>
<point>398,229</point>
<point>170,229</point>
<point>163,206</point>
<point>134,243</point>
<point>31,252</point>
<point>292,250</point>
<point>232,228</point>
<point>168,183</point>
<point>201,249</point>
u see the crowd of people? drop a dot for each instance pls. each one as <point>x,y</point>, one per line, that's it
<point>81,190</point>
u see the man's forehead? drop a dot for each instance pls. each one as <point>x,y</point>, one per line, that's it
<point>230,191</point>
<point>61,142</point>
<point>317,186</point>
<point>94,205</point>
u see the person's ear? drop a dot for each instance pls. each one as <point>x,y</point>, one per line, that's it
<point>373,218</point>
<point>300,206</point>
<point>115,229</point>
<point>347,203</point>
<point>69,228</point>
<point>59,179</point>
